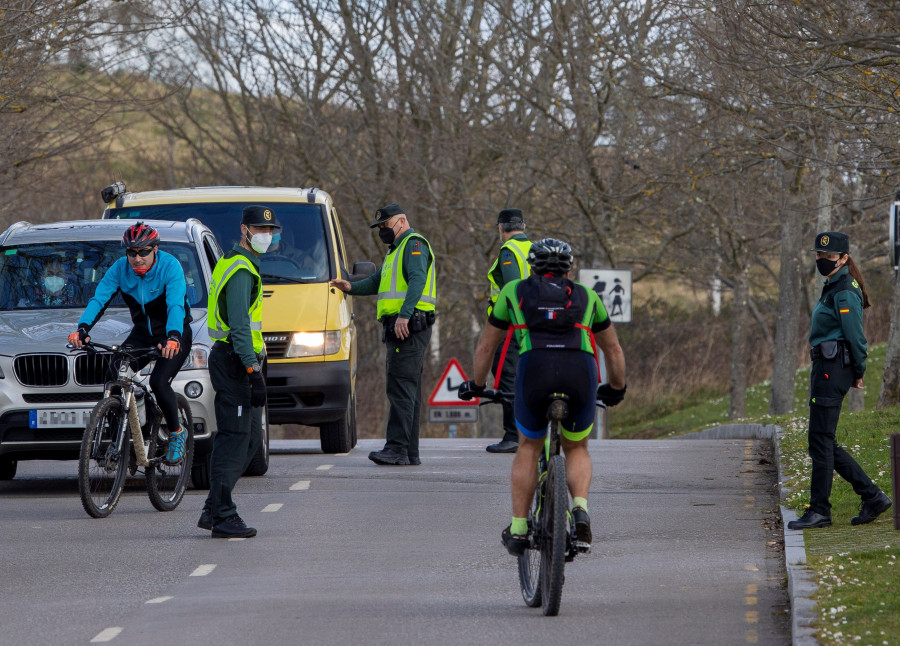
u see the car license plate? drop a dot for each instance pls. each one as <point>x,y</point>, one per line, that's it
<point>58,417</point>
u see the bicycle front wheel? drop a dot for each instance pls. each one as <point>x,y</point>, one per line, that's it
<point>530,561</point>
<point>553,544</point>
<point>103,462</point>
<point>166,482</point>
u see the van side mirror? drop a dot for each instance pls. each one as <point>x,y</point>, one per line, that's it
<point>361,270</point>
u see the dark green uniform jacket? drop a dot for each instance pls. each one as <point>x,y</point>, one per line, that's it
<point>838,316</point>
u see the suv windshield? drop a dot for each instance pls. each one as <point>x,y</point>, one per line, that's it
<point>59,275</point>
<point>299,252</point>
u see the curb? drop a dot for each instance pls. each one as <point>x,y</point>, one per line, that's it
<point>801,585</point>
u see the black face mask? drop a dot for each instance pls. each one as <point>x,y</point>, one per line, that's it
<point>826,265</point>
<point>387,235</point>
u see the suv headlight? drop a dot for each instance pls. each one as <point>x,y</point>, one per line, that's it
<point>313,344</point>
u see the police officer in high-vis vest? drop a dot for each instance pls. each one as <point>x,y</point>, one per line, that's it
<point>838,355</point>
<point>511,264</point>
<point>235,325</point>
<point>405,285</point>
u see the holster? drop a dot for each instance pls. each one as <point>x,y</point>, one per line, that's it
<point>829,351</point>
<point>417,322</point>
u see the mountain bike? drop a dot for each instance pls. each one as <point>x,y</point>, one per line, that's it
<point>126,433</point>
<point>551,530</point>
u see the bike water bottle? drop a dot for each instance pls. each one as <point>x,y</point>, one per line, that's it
<point>141,408</point>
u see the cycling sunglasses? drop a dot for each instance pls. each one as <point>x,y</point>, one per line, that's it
<point>143,253</point>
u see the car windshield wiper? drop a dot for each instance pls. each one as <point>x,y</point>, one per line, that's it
<point>300,281</point>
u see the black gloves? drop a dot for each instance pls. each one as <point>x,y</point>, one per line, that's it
<point>257,389</point>
<point>610,396</point>
<point>469,390</point>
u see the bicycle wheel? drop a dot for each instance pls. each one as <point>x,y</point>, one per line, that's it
<point>166,483</point>
<point>103,462</point>
<point>553,543</point>
<point>530,561</point>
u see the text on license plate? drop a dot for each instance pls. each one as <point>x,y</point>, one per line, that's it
<point>58,417</point>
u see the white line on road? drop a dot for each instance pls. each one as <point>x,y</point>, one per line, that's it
<point>203,570</point>
<point>106,635</point>
<point>275,506</point>
<point>301,485</point>
<point>342,454</point>
<point>324,467</point>
<point>158,600</point>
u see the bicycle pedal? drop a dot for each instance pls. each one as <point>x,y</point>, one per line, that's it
<point>583,548</point>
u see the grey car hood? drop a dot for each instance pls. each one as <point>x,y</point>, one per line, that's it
<point>23,331</point>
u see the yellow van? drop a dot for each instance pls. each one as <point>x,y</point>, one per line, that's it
<point>308,328</point>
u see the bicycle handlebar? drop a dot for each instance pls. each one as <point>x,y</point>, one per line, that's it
<point>134,353</point>
<point>502,397</point>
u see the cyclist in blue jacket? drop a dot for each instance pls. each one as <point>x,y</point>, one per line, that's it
<point>153,287</point>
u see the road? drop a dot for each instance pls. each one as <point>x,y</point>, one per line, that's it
<point>686,552</point>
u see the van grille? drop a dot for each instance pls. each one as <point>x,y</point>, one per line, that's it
<point>92,369</point>
<point>276,344</point>
<point>42,369</point>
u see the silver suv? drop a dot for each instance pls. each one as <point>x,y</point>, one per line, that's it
<point>48,273</point>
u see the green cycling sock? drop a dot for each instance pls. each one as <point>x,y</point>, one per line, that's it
<point>518,527</point>
<point>580,502</point>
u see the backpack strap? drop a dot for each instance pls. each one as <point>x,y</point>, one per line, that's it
<point>509,334</point>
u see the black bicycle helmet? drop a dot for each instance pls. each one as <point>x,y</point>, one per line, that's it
<point>140,235</point>
<point>550,256</point>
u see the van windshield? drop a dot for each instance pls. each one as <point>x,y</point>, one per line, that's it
<point>65,274</point>
<point>299,253</point>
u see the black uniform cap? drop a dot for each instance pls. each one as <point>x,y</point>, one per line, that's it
<point>510,216</point>
<point>259,216</point>
<point>385,213</point>
<point>832,242</point>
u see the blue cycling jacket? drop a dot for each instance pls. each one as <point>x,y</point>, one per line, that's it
<point>156,300</point>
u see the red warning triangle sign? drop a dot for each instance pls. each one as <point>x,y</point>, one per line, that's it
<point>446,391</point>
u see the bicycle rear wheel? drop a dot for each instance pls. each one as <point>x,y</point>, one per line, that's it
<point>530,561</point>
<point>103,463</point>
<point>553,542</point>
<point>166,483</point>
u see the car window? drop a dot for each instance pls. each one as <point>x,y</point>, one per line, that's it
<point>300,251</point>
<point>60,275</point>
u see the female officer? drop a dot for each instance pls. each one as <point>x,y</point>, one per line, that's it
<point>838,363</point>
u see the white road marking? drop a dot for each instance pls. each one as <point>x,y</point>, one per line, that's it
<point>301,485</point>
<point>324,467</point>
<point>106,635</point>
<point>158,600</point>
<point>275,506</point>
<point>341,454</point>
<point>203,570</point>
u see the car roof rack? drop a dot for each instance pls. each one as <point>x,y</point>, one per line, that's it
<point>21,224</point>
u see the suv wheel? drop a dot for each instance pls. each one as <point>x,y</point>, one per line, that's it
<point>337,437</point>
<point>8,469</point>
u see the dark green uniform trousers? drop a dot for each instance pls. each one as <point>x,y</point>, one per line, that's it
<point>403,383</point>
<point>238,434</point>
<point>507,384</point>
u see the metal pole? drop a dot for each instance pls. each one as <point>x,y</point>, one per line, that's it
<point>895,476</point>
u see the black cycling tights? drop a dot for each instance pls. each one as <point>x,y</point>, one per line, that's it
<point>163,372</point>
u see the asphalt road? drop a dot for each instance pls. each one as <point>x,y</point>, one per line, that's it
<point>686,551</point>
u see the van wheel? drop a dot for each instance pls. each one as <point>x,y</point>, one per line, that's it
<point>8,469</point>
<point>200,472</point>
<point>337,437</point>
<point>260,462</point>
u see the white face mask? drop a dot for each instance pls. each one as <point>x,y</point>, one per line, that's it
<point>260,241</point>
<point>54,283</point>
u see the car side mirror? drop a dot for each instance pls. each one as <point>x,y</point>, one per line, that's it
<point>361,270</point>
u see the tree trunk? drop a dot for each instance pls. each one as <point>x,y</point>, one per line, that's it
<point>737,407</point>
<point>890,382</point>
<point>784,366</point>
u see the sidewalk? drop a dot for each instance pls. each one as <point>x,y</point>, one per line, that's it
<point>801,584</point>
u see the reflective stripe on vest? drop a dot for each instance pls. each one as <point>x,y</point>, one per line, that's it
<point>218,328</point>
<point>393,286</point>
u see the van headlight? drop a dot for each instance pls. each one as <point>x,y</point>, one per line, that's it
<point>197,359</point>
<point>313,344</point>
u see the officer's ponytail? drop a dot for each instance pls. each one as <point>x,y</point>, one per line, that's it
<point>857,276</point>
